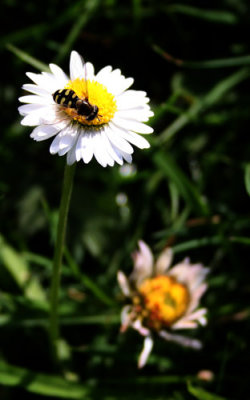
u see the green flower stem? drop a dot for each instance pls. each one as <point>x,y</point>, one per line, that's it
<point>58,254</point>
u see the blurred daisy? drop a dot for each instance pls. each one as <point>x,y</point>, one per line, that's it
<point>88,114</point>
<point>162,299</point>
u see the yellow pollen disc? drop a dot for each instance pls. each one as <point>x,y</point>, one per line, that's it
<point>97,95</point>
<point>165,299</point>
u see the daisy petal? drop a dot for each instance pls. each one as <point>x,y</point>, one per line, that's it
<point>132,125</point>
<point>138,114</point>
<point>125,318</point>
<point>123,282</point>
<point>164,261</point>
<point>121,154</point>
<point>183,340</point>
<point>143,263</point>
<point>29,108</point>
<point>33,99</point>
<point>84,148</point>
<point>196,295</point>
<point>114,153</point>
<point>45,80</point>
<point>29,87</point>
<point>71,156</point>
<point>100,152</point>
<point>76,66</point>
<point>59,74</point>
<point>89,71</point>
<point>147,348</point>
<point>119,142</point>
<point>43,132</point>
<point>131,99</point>
<point>135,139</point>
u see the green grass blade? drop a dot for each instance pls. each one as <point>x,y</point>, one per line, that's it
<point>200,105</point>
<point>218,16</point>
<point>200,393</point>
<point>46,385</point>
<point>186,188</point>
<point>247,178</point>
<point>20,272</point>
<point>217,63</point>
<point>27,58</point>
<point>88,282</point>
<point>112,319</point>
<point>84,17</point>
<point>240,239</point>
<point>197,243</point>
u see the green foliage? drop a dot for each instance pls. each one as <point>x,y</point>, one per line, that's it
<point>199,393</point>
<point>190,190</point>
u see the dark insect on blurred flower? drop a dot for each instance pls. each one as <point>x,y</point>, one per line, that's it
<point>162,299</point>
<point>89,114</point>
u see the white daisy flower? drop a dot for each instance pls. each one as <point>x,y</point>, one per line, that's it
<point>162,299</point>
<point>88,114</point>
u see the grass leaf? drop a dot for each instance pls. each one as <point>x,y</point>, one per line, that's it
<point>27,58</point>
<point>247,178</point>
<point>202,394</point>
<point>20,272</point>
<point>47,385</point>
<point>186,188</point>
<point>211,98</point>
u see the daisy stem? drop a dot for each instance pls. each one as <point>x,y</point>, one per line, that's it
<point>57,261</point>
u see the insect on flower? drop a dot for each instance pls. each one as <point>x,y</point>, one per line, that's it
<point>89,115</point>
<point>162,299</point>
<point>67,98</point>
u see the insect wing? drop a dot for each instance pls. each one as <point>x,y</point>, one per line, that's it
<point>86,80</point>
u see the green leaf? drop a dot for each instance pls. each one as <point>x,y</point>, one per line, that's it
<point>83,18</point>
<point>219,16</point>
<point>247,178</point>
<point>217,63</point>
<point>88,282</point>
<point>27,58</point>
<point>202,394</point>
<point>197,243</point>
<point>47,385</point>
<point>186,188</point>
<point>19,269</point>
<point>200,105</point>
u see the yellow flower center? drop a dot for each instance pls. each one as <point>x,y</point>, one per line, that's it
<point>97,95</point>
<point>164,300</point>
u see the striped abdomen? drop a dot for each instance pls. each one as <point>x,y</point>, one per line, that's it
<point>66,98</point>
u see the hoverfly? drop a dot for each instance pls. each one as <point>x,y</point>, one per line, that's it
<point>68,98</point>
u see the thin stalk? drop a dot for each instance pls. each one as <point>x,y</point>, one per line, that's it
<point>57,261</point>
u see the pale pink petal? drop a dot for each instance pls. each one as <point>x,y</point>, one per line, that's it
<point>143,263</point>
<point>164,261</point>
<point>195,297</point>
<point>191,320</point>
<point>198,316</point>
<point>192,275</point>
<point>125,317</point>
<point>137,325</point>
<point>184,324</point>
<point>147,348</point>
<point>123,282</point>
<point>183,340</point>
